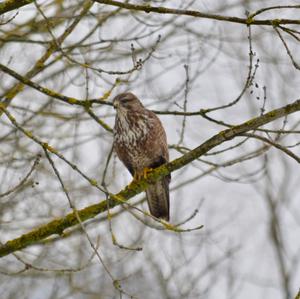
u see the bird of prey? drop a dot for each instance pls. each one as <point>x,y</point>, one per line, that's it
<point>141,144</point>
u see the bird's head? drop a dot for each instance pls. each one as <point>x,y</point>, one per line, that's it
<point>126,101</point>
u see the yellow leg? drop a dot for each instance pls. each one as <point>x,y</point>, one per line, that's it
<point>141,174</point>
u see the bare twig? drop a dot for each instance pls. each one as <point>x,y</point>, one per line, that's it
<point>24,180</point>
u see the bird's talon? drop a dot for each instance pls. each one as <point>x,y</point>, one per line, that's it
<point>142,174</point>
<point>146,171</point>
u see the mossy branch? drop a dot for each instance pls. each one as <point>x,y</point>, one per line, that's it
<point>59,225</point>
<point>10,5</point>
<point>51,93</point>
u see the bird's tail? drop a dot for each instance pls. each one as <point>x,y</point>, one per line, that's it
<point>158,199</point>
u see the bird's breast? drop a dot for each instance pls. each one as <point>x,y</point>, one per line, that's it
<point>131,138</point>
<point>131,130</point>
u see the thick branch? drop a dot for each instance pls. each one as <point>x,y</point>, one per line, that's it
<point>9,5</point>
<point>59,225</point>
<point>231,133</point>
<point>198,14</point>
<point>52,93</point>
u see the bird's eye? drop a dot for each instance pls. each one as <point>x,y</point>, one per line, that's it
<point>125,101</point>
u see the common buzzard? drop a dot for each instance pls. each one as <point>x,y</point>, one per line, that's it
<point>141,144</point>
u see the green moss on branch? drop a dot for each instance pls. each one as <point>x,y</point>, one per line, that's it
<point>59,225</point>
<point>10,5</point>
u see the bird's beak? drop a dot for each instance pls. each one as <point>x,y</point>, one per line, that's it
<point>116,104</point>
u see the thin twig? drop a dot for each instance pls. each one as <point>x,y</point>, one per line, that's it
<point>24,180</point>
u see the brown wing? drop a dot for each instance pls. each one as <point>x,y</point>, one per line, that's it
<point>157,142</point>
<point>158,194</point>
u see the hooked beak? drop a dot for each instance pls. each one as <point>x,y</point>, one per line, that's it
<point>116,104</point>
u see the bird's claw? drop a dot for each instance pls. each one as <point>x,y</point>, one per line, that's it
<point>141,174</point>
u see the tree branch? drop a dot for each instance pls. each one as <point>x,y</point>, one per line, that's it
<point>9,5</point>
<point>54,94</point>
<point>199,14</point>
<point>59,225</point>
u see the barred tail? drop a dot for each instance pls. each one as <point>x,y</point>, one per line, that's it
<point>158,198</point>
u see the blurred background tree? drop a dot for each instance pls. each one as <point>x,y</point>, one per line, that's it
<point>203,67</point>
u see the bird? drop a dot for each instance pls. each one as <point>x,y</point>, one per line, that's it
<point>140,142</point>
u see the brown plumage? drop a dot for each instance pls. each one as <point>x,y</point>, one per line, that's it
<point>140,142</point>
